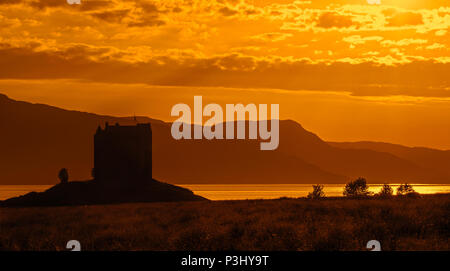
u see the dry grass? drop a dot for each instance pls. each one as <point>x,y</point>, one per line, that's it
<point>284,224</point>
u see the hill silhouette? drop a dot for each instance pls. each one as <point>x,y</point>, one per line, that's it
<point>430,159</point>
<point>37,140</point>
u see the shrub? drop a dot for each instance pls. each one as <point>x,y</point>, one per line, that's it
<point>405,189</point>
<point>413,195</point>
<point>386,191</point>
<point>357,188</point>
<point>317,192</point>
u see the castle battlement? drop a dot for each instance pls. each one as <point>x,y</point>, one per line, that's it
<point>123,154</point>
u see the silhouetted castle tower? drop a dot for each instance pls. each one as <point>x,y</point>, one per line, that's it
<point>123,154</point>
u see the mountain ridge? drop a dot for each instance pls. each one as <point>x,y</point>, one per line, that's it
<point>38,139</point>
<point>429,158</point>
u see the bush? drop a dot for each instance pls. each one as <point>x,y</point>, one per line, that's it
<point>405,189</point>
<point>357,188</point>
<point>413,195</point>
<point>386,191</point>
<point>317,192</point>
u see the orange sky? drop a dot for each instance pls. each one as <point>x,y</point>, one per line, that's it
<point>345,69</point>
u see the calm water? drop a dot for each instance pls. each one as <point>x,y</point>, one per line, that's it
<point>271,191</point>
<point>243,191</point>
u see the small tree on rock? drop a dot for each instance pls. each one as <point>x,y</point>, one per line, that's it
<point>63,175</point>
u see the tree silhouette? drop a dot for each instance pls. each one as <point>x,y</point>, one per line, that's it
<point>357,188</point>
<point>63,175</point>
<point>317,192</point>
<point>386,191</point>
<point>405,189</point>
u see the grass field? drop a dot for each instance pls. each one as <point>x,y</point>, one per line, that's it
<point>283,224</point>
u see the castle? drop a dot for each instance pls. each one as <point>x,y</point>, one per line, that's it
<point>123,154</point>
<point>122,173</point>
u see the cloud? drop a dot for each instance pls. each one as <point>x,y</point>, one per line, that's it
<point>330,20</point>
<point>140,14</point>
<point>441,33</point>
<point>10,2</point>
<point>113,16</point>
<point>425,78</point>
<point>41,4</point>
<point>403,42</point>
<point>94,5</point>
<point>357,39</point>
<point>436,46</point>
<point>404,19</point>
<point>133,13</point>
<point>272,36</point>
<point>47,4</point>
<point>226,11</point>
<point>147,21</point>
<point>148,7</point>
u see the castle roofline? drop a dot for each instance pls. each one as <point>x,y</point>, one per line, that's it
<point>123,128</point>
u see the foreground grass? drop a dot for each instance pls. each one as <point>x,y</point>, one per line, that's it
<point>284,224</point>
